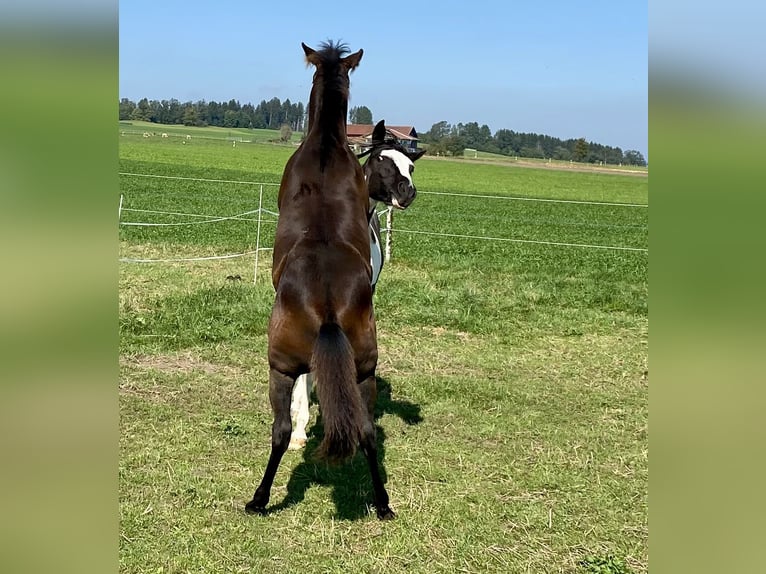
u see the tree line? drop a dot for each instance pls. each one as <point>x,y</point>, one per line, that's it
<point>269,115</point>
<point>446,139</point>
<point>443,138</point>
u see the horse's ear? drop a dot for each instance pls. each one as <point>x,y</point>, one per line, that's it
<point>311,54</point>
<point>414,156</point>
<point>379,133</point>
<point>352,61</point>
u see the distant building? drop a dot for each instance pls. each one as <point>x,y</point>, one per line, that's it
<point>360,134</point>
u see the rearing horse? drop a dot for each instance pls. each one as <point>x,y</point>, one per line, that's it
<point>388,173</point>
<point>322,319</point>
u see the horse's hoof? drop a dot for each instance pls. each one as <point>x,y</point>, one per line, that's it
<point>254,507</point>
<point>386,514</point>
<point>297,443</point>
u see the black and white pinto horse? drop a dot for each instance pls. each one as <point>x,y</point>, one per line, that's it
<point>388,173</point>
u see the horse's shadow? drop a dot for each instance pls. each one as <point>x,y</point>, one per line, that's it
<point>351,486</point>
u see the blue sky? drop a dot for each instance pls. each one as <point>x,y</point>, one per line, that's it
<point>720,44</point>
<point>565,69</point>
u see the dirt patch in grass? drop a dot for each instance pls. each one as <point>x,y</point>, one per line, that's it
<point>183,362</point>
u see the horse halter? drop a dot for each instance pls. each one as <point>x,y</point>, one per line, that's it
<point>384,145</point>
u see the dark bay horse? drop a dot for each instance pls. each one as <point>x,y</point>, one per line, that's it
<point>388,174</point>
<point>322,319</point>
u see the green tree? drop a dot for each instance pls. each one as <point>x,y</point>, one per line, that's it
<point>580,151</point>
<point>274,113</point>
<point>155,112</point>
<point>485,136</point>
<point>470,132</point>
<point>532,151</point>
<point>475,136</point>
<point>285,133</point>
<point>438,131</point>
<point>455,144</point>
<point>173,112</point>
<point>505,140</point>
<point>126,109</point>
<point>230,119</point>
<point>142,111</point>
<point>300,116</point>
<point>215,113</point>
<point>246,116</point>
<point>561,153</point>
<point>633,157</point>
<point>191,115</point>
<point>288,111</point>
<point>360,115</point>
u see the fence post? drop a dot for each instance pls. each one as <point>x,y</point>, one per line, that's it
<point>258,234</point>
<point>119,211</point>
<point>389,231</point>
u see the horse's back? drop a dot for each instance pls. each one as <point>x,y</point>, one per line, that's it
<point>321,282</point>
<point>319,205</point>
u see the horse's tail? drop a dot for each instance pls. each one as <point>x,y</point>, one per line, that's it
<point>339,399</point>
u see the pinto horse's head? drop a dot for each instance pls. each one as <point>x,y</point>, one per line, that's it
<point>389,170</point>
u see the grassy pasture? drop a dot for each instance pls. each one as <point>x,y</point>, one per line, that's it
<point>552,163</point>
<point>513,413</point>
<point>137,128</point>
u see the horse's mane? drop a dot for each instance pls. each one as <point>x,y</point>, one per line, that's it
<point>388,143</point>
<point>334,93</point>
<point>330,54</point>
<point>333,50</point>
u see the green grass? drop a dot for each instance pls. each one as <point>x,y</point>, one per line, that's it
<point>134,128</point>
<point>471,154</point>
<point>513,413</point>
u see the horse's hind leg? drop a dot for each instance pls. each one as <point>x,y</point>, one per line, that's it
<point>299,411</point>
<point>369,446</point>
<point>280,389</point>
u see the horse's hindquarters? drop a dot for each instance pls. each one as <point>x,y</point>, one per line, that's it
<point>322,287</point>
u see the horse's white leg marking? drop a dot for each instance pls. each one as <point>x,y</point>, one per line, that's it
<point>299,411</point>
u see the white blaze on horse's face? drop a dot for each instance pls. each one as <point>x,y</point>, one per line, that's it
<point>401,161</point>
<point>403,164</point>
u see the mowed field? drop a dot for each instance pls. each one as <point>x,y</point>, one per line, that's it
<point>513,411</point>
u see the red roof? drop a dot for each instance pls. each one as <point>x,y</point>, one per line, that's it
<point>364,130</point>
